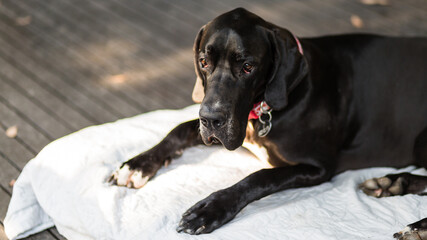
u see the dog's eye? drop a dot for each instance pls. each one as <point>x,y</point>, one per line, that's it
<point>247,68</point>
<point>203,62</point>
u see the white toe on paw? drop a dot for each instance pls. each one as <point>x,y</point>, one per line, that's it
<point>406,230</point>
<point>122,175</point>
<point>407,234</point>
<point>129,178</point>
<point>137,179</point>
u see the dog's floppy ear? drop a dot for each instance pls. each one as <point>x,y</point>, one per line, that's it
<point>198,91</point>
<point>289,68</point>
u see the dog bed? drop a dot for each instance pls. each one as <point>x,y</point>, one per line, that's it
<point>66,185</point>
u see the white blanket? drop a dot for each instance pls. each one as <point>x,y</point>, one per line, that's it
<point>65,185</point>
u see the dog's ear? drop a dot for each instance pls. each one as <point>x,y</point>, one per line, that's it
<point>289,68</point>
<point>198,91</point>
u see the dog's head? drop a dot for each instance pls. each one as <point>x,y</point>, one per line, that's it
<point>240,59</point>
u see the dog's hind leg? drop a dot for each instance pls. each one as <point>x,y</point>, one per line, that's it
<point>414,231</point>
<point>417,230</point>
<point>402,183</point>
<point>395,185</point>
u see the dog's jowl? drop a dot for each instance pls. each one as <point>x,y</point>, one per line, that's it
<point>314,106</point>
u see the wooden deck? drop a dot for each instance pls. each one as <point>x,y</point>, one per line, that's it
<point>65,65</point>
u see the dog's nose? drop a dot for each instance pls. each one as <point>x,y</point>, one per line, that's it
<point>211,119</point>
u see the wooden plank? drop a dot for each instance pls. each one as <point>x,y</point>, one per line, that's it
<point>41,236</point>
<point>71,98</point>
<point>52,104</point>
<point>83,50</point>
<point>158,38</point>
<point>372,21</point>
<point>293,15</point>
<point>102,67</point>
<point>281,13</point>
<point>32,68</point>
<point>129,91</point>
<point>47,23</point>
<point>158,22</point>
<point>7,174</point>
<point>146,69</point>
<point>45,73</point>
<point>170,72</point>
<point>397,18</point>
<point>175,91</point>
<point>29,133</point>
<point>336,20</point>
<point>55,233</point>
<point>182,10</point>
<point>4,203</point>
<point>417,4</point>
<point>15,150</point>
<point>30,112</point>
<point>166,70</point>
<point>100,15</point>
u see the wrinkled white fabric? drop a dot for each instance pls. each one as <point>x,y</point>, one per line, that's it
<point>65,185</point>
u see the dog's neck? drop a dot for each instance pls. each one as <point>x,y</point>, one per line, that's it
<point>262,106</point>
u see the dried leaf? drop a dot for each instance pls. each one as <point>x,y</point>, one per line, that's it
<point>11,132</point>
<point>356,21</point>
<point>12,183</point>
<point>23,21</point>
<point>376,2</point>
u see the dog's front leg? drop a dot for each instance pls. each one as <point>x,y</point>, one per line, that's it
<point>221,206</point>
<point>138,170</point>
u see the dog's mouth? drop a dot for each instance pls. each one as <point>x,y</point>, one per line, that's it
<point>209,137</point>
<point>212,140</point>
<point>230,136</point>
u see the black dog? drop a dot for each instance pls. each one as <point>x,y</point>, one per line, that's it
<point>316,107</point>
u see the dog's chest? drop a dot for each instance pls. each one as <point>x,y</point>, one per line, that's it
<point>249,143</point>
<point>265,149</point>
<point>259,151</point>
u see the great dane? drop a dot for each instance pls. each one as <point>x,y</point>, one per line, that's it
<point>314,107</point>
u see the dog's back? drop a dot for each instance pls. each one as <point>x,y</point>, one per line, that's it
<point>384,87</point>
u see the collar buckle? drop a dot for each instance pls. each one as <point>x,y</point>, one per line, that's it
<point>258,111</point>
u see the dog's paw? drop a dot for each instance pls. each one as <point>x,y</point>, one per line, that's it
<point>124,176</point>
<point>207,215</point>
<point>383,187</point>
<point>411,233</point>
<point>136,172</point>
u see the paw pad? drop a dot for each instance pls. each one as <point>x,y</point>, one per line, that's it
<point>382,187</point>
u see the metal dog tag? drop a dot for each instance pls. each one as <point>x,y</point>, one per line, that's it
<point>265,126</point>
<point>264,129</point>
